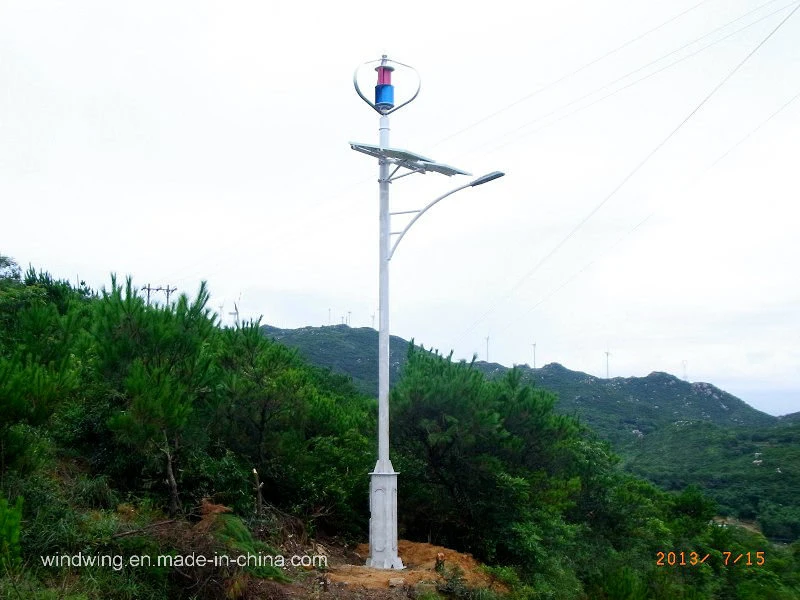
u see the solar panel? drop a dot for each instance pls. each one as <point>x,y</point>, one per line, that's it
<point>395,153</point>
<point>409,160</point>
<point>444,169</point>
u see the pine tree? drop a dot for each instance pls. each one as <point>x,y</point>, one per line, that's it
<point>161,360</point>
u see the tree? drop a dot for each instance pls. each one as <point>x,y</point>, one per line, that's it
<point>305,430</point>
<point>161,359</point>
<point>8,268</point>
<point>494,460</point>
<point>38,365</point>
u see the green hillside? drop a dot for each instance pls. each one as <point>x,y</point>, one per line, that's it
<point>619,409</point>
<point>349,351</point>
<point>752,473</point>
<point>673,432</point>
<point>623,408</point>
<point>131,433</point>
<point>790,418</point>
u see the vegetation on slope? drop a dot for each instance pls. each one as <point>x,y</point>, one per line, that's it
<point>670,431</point>
<point>615,408</point>
<point>349,351</point>
<point>117,419</point>
<point>752,473</point>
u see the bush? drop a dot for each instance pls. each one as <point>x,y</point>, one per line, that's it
<point>10,523</point>
<point>94,492</point>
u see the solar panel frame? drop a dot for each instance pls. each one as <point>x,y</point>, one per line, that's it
<point>444,169</point>
<point>407,159</point>
<point>394,153</point>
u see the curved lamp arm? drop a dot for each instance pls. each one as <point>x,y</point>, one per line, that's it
<point>479,181</point>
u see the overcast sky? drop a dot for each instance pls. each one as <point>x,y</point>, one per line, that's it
<point>180,141</point>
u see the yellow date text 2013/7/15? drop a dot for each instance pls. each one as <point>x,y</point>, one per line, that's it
<point>692,559</point>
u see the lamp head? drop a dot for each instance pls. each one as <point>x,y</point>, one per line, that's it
<point>486,178</point>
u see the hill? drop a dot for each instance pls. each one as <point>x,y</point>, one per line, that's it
<point>132,432</point>
<point>624,408</point>
<point>619,409</point>
<point>672,432</point>
<point>346,350</point>
<point>752,473</point>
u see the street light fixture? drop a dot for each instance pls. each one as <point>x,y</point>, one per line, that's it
<point>487,178</point>
<point>383,479</point>
<point>479,181</point>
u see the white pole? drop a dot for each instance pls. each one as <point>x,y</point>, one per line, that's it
<point>383,303</point>
<point>383,480</point>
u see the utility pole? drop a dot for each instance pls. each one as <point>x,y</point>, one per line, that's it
<point>149,289</point>
<point>168,292</point>
<point>534,355</point>
<point>607,371</point>
<point>487,348</point>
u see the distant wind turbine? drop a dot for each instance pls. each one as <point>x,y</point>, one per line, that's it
<point>235,312</point>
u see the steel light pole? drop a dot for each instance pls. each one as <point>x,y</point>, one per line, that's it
<point>383,479</point>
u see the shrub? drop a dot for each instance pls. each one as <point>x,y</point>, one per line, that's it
<point>10,524</point>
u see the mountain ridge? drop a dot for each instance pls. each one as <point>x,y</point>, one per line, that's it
<point>619,408</point>
<point>673,432</point>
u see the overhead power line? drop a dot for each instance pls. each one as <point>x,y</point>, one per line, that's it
<point>633,172</point>
<point>216,259</point>
<point>752,132</point>
<point>210,265</point>
<point>149,290</point>
<point>630,84</point>
<point>631,231</point>
<point>563,78</point>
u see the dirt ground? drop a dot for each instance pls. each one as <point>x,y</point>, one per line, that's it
<point>348,577</point>
<point>419,560</point>
<point>751,526</point>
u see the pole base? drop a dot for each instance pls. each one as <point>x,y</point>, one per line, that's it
<point>383,519</point>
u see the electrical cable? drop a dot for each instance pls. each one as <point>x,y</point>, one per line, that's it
<point>570,74</point>
<point>208,266</point>
<point>630,84</point>
<point>630,175</point>
<point>710,167</point>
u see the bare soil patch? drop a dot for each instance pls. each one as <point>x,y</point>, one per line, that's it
<point>420,562</point>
